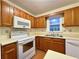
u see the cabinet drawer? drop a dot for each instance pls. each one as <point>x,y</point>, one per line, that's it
<point>9,46</point>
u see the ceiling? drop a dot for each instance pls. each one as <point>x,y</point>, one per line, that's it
<point>37,7</point>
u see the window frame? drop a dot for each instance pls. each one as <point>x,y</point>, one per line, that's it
<point>48,25</point>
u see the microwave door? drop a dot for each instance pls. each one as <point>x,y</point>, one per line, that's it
<point>21,23</point>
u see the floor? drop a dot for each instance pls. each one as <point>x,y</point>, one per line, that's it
<point>39,54</point>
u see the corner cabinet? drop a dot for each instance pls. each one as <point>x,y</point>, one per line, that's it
<point>9,51</point>
<point>40,22</point>
<point>71,17</point>
<point>7,14</point>
<point>55,44</point>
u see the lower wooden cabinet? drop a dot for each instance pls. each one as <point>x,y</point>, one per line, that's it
<point>55,44</point>
<point>37,41</point>
<point>9,51</point>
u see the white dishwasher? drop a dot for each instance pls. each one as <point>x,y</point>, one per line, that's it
<point>72,48</point>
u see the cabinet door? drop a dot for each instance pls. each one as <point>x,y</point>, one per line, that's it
<point>9,51</point>
<point>40,22</point>
<point>16,12</point>
<point>7,14</point>
<point>42,44</point>
<point>32,21</point>
<point>0,12</point>
<point>68,17</point>
<point>57,45</point>
<point>76,16</point>
<point>37,40</point>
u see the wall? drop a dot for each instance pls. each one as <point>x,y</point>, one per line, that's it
<point>4,32</point>
<point>67,31</point>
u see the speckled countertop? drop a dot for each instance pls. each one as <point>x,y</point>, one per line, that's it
<point>6,41</point>
<point>71,38</point>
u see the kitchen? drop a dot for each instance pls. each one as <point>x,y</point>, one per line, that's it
<point>48,31</point>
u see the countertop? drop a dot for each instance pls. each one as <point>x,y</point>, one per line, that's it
<point>6,41</point>
<point>72,38</point>
<point>55,55</point>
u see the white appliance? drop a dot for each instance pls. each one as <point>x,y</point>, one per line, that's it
<point>26,46</point>
<point>21,23</point>
<point>72,48</point>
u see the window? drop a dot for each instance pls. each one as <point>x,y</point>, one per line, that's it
<point>54,24</point>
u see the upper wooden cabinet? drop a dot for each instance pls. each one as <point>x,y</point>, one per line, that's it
<point>7,14</point>
<point>40,22</point>
<point>20,13</point>
<point>32,19</point>
<point>76,16</point>
<point>71,17</point>
<point>0,12</point>
<point>9,51</point>
<point>16,12</point>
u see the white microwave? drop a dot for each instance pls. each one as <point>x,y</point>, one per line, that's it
<point>21,22</point>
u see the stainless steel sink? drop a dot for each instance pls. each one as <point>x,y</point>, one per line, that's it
<point>54,35</point>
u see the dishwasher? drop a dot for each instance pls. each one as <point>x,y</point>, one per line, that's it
<point>72,48</point>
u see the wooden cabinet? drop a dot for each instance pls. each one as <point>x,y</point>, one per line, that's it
<point>0,12</point>
<point>68,17</point>
<point>55,44</point>
<point>22,14</point>
<point>37,41</point>
<point>19,13</point>
<point>16,12</point>
<point>9,51</point>
<point>32,19</point>
<point>58,45</point>
<point>76,16</point>
<point>40,22</point>
<point>41,43</point>
<point>7,14</point>
<point>71,17</point>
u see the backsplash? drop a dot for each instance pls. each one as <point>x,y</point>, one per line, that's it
<point>67,31</point>
<point>4,32</point>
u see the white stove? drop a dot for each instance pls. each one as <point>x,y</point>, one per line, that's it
<point>26,46</point>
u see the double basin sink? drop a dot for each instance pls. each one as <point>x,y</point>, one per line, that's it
<point>54,36</point>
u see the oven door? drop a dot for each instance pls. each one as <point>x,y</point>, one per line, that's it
<point>26,47</point>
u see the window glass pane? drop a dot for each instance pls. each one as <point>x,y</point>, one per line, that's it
<point>54,24</point>
<point>54,21</point>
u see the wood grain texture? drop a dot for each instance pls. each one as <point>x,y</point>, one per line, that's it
<point>55,44</point>
<point>40,22</point>
<point>71,17</point>
<point>7,14</point>
<point>9,51</point>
